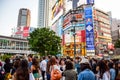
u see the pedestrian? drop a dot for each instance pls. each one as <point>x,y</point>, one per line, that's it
<point>30,56</point>
<point>48,67</point>
<point>43,65</point>
<point>22,73</point>
<point>69,73</point>
<point>103,71</point>
<point>54,69</point>
<point>86,72</point>
<point>112,71</point>
<point>35,68</point>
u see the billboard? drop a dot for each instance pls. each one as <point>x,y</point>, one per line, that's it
<point>26,31</point>
<point>57,10</point>
<point>89,29</point>
<point>57,26</point>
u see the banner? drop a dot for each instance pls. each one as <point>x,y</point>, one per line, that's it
<point>26,31</point>
<point>89,29</point>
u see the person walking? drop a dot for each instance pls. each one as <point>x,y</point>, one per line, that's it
<point>35,68</point>
<point>43,65</point>
<point>69,73</point>
<point>86,72</point>
<point>103,71</point>
<point>22,73</point>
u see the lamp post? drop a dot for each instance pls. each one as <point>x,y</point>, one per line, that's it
<point>73,21</point>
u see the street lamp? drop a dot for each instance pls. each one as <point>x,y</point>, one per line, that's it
<point>73,21</point>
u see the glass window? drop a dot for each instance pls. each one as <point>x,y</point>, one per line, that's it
<point>24,12</point>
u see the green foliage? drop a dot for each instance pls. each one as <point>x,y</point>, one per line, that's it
<point>3,57</point>
<point>44,41</point>
<point>117,44</point>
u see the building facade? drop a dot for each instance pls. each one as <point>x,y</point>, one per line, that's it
<point>14,45</point>
<point>115,30</point>
<point>44,13</point>
<point>102,28</point>
<point>24,17</point>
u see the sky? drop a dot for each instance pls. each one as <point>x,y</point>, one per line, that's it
<point>9,10</point>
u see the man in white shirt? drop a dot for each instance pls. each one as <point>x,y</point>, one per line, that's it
<point>43,65</point>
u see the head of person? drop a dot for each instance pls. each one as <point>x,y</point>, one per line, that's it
<point>110,65</point>
<point>69,65</point>
<point>61,62</point>
<point>7,60</point>
<point>85,64</point>
<point>16,63</point>
<point>35,62</point>
<point>30,57</point>
<point>53,60</point>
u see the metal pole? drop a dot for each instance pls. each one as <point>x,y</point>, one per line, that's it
<point>74,43</point>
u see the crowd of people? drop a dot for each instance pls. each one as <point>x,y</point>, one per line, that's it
<point>64,68</point>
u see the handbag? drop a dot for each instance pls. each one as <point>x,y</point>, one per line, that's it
<point>31,77</point>
<point>56,74</point>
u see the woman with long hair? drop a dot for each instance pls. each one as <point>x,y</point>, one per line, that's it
<point>22,73</point>
<point>103,71</point>
<point>35,69</point>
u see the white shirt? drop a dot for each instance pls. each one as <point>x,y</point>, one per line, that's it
<point>43,65</point>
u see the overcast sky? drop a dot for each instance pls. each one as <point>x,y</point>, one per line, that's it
<point>9,12</point>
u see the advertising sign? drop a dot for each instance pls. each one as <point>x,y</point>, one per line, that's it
<point>57,10</point>
<point>26,31</point>
<point>89,29</point>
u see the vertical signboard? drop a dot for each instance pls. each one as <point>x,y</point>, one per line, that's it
<point>26,31</point>
<point>89,29</point>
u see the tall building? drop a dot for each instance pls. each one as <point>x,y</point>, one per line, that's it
<point>102,31</point>
<point>44,13</point>
<point>115,29</point>
<point>24,17</point>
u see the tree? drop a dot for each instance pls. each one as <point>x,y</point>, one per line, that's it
<point>117,44</point>
<point>44,41</point>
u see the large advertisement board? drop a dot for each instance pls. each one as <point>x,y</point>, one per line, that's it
<point>26,31</point>
<point>89,29</point>
<point>57,10</point>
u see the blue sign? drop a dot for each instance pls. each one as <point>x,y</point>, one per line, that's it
<point>90,1</point>
<point>89,28</point>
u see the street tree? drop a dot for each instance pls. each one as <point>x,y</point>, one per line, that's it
<point>117,44</point>
<point>44,41</point>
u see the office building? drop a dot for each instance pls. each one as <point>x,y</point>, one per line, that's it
<point>115,30</point>
<point>44,13</point>
<point>24,17</point>
<point>102,31</point>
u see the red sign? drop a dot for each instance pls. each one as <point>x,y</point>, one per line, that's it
<point>26,31</point>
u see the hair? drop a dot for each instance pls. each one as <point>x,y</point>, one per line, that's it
<point>7,60</point>
<point>16,64</point>
<point>85,66</point>
<point>53,60</point>
<point>110,65</point>
<point>61,60</point>
<point>43,57</point>
<point>69,65</point>
<point>30,55</point>
<point>22,73</point>
<point>35,63</point>
<point>102,67</point>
